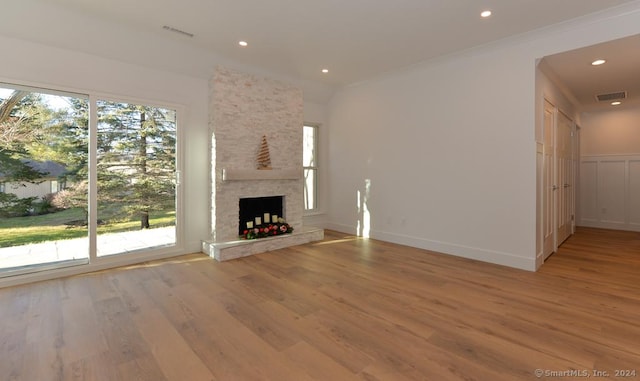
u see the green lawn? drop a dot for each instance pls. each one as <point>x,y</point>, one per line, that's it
<point>18,231</point>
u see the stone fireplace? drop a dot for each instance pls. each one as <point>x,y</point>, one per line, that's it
<point>243,108</point>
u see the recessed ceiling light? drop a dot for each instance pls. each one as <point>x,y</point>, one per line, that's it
<point>485,14</point>
<point>598,62</point>
<point>243,43</point>
<point>325,71</point>
<point>616,103</point>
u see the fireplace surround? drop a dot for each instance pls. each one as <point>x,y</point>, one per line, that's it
<point>243,108</point>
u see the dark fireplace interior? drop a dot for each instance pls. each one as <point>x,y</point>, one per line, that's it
<point>252,208</point>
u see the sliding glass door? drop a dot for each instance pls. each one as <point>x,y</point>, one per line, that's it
<point>43,179</point>
<point>82,179</point>
<point>136,172</point>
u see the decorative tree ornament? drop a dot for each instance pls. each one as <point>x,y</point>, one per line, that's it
<point>264,159</point>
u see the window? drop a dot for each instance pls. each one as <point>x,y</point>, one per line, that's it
<point>47,135</point>
<point>136,176</point>
<point>2,188</point>
<point>310,166</point>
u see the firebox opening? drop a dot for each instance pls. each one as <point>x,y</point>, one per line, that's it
<point>259,210</point>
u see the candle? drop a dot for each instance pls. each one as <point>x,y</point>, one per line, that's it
<point>266,218</point>
<point>249,225</point>
<point>258,221</point>
<point>274,218</point>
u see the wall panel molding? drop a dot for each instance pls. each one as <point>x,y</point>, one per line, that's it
<point>610,192</point>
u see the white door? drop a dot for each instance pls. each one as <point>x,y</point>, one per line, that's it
<point>548,184</point>
<point>564,177</point>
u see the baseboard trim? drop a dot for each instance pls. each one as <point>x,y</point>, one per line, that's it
<point>610,225</point>
<point>490,256</point>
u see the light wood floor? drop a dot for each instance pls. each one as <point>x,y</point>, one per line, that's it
<point>342,309</point>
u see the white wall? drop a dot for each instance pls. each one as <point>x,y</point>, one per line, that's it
<point>43,66</point>
<point>615,132</point>
<point>447,164</point>
<point>610,170</point>
<point>448,147</point>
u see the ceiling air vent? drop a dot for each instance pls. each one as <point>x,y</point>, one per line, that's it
<point>176,30</point>
<point>611,96</point>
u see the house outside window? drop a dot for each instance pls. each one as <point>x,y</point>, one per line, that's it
<point>310,166</point>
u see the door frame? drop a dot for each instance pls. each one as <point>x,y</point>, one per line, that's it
<point>546,163</point>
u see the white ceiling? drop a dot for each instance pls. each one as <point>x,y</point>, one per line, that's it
<point>620,73</point>
<point>355,39</point>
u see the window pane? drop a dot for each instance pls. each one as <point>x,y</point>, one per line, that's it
<point>136,177</point>
<point>309,146</point>
<point>43,142</point>
<point>310,180</point>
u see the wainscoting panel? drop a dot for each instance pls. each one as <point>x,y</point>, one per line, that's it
<point>588,191</point>
<point>611,189</point>
<point>634,194</point>
<point>610,192</point>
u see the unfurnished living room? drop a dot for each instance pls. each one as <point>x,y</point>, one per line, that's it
<point>298,190</point>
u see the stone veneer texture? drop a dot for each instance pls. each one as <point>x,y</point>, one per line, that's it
<point>242,108</point>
